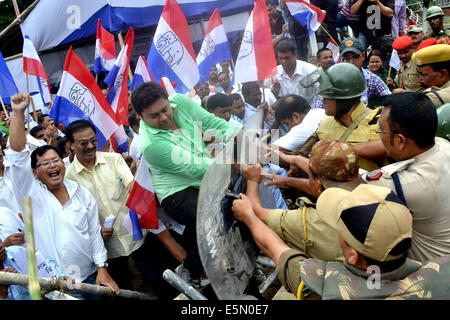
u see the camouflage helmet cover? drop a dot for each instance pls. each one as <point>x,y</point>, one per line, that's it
<point>337,163</point>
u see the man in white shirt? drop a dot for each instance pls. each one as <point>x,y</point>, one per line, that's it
<point>290,71</point>
<point>301,120</point>
<point>65,216</point>
<point>253,101</point>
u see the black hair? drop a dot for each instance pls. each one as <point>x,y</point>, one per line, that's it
<point>286,45</point>
<point>218,100</point>
<point>41,118</point>
<point>400,248</point>
<point>344,105</point>
<point>378,53</point>
<point>319,52</point>
<point>132,119</point>
<point>225,73</point>
<point>146,94</point>
<point>40,151</point>
<point>61,144</point>
<point>290,104</point>
<point>414,115</point>
<point>270,2</point>
<point>248,86</point>
<point>77,126</point>
<point>235,96</point>
<point>35,130</point>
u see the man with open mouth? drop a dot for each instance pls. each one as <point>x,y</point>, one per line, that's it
<point>65,214</point>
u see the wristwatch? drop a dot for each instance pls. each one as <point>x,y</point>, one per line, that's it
<point>102,265</point>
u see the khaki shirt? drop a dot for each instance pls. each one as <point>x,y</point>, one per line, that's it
<point>443,92</point>
<point>425,181</point>
<point>321,239</point>
<point>108,183</point>
<point>410,76</point>
<point>330,128</point>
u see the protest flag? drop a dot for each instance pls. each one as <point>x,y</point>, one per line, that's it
<point>142,199</point>
<point>33,66</point>
<point>306,14</point>
<point>215,48</point>
<point>117,79</point>
<point>79,97</point>
<point>105,50</point>
<point>8,86</point>
<point>141,73</point>
<point>171,54</point>
<point>256,59</point>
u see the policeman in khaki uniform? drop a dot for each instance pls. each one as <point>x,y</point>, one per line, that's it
<point>434,72</point>
<point>333,163</point>
<point>373,230</point>
<point>421,175</point>
<point>341,88</point>
<point>408,75</point>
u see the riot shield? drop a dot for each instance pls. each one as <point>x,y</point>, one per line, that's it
<point>226,248</point>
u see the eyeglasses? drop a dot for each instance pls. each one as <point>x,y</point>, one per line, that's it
<point>84,143</point>
<point>386,132</point>
<point>47,162</point>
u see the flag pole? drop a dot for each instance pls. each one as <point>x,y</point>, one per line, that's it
<point>16,8</point>
<point>389,73</point>
<point>4,108</point>
<point>32,104</point>
<point>328,34</point>
<point>119,35</point>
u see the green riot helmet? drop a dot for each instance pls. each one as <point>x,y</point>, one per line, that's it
<point>434,11</point>
<point>443,113</point>
<point>340,81</point>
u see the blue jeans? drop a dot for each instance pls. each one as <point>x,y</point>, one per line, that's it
<point>342,21</point>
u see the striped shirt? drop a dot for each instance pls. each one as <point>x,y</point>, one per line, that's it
<point>346,11</point>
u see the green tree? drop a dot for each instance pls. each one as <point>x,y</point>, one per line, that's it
<point>7,13</point>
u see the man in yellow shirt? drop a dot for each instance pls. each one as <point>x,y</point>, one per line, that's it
<point>108,178</point>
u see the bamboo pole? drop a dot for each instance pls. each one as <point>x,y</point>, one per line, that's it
<point>19,19</point>
<point>7,278</point>
<point>16,8</point>
<point>4,108</point>
<point>33,284</point>
<point>19,55</point>
<point>32,104</point>
<point>119,35</point>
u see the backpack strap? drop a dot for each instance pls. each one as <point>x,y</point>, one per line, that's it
<point>354,124</point>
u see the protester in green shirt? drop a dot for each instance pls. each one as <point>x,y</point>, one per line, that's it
<point>171,143</point>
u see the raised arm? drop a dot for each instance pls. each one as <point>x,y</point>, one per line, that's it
<point>266,239</point>
<point>17,135</point>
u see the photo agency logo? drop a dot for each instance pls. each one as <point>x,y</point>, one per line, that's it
<point>374,280</point>
<point>373,15</point>
<point>248,147</point>
<point>73,20</point>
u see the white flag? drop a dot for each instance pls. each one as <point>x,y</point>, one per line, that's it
<point>395,60</point>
